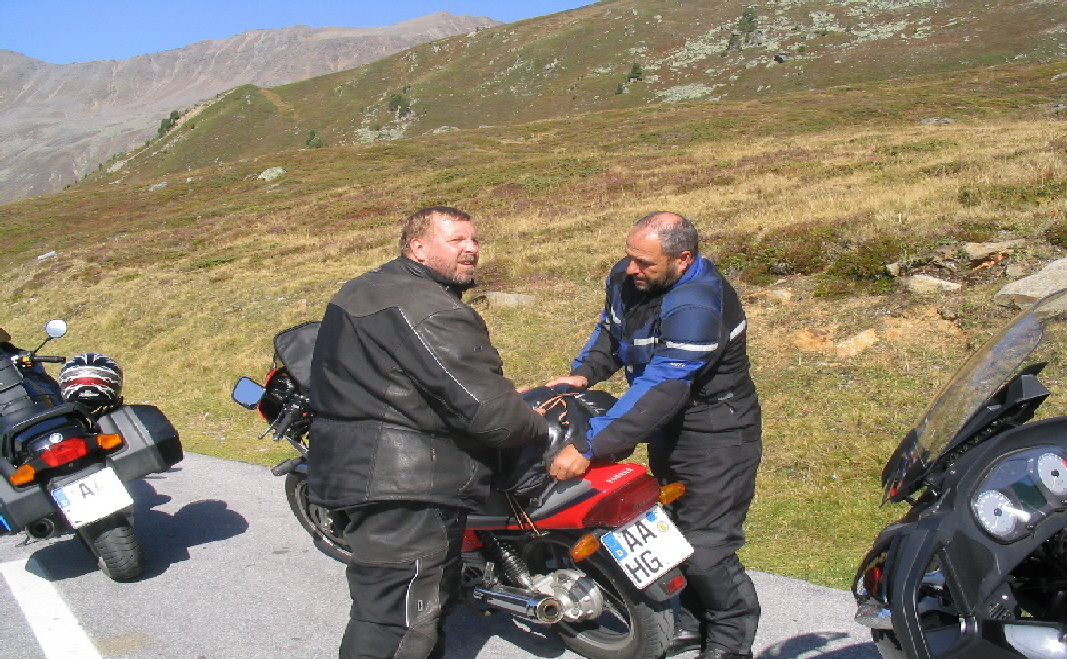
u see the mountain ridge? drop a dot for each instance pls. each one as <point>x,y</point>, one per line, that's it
<point>61,120</point>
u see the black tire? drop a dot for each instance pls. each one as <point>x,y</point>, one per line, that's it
<point>325,527</point>
<point>116,547</point>
<point>633,625</point>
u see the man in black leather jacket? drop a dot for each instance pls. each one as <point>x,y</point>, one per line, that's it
<point>410,401</point>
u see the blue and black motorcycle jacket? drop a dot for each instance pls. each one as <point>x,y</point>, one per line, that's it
<point>683,350</point>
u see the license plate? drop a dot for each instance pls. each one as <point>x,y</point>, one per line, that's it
<point>647,547</point>
<point>91,498</point>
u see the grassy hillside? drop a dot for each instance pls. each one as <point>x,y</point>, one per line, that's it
<point>616,54</point>
<point>810,192</point>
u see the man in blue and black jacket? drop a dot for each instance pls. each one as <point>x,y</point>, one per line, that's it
<point>677,329</point>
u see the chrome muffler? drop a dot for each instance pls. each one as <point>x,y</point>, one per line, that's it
<point>526,604</point>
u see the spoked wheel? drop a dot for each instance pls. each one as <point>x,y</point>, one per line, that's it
<point>632,625</point>
<point>324,526</point>
<point>116,547</point>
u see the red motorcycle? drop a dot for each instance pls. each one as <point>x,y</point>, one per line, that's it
<point>594,558</point>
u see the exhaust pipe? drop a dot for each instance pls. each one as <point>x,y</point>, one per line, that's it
<point>42,528</point>
<point>523,603</point>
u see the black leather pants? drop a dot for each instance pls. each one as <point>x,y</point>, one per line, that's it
<point>719,471</point>
<point>403,578</point>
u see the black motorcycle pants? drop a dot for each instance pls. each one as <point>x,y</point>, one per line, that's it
<point>719,472</point>
<point>403,578</point>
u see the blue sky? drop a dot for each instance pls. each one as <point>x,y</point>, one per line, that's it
<point>64,31</point>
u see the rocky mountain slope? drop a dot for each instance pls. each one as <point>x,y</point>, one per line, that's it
<point>621,54</point>
<point>59,122</point>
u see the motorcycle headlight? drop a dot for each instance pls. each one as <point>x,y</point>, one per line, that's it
<point>1020,490</point>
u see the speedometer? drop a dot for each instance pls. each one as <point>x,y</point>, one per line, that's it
<point>1052,471</point>
<point>996,514</point>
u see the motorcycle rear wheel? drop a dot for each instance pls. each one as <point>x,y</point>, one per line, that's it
<point>115,545</point>
<point>632,626</point>
<point>323,525</point>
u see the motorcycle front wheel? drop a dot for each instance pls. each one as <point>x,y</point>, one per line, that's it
<point>324,526</point>
<point>632,625</point>
<point>115,545</point>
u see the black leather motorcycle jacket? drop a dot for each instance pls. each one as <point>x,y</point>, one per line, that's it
<point>409,395</point>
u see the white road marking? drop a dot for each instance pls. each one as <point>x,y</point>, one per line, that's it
<point>57,630</point>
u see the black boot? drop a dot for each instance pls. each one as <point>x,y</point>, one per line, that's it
<point>684,641</point>
<point>719,653</point>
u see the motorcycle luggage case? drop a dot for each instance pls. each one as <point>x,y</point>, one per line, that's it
<point>21,506</point>
<point>152,444</point>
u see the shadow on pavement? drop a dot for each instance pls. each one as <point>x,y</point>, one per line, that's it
<point>814,646</point>
<point>467,633</point>
<point>165,537</point>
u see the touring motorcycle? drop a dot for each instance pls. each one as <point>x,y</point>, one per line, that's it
<point>977,567</point>
<point>594,558</point>
<point>64,466</point>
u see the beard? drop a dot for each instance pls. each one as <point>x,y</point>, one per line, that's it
<point>455,271</point>
<point>669,277</point>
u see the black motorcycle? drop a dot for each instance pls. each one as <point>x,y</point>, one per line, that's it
<point>64,466</point>
<point>977,568</point>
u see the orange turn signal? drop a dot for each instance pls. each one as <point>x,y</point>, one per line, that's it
<point>670,493</point>
<point>586,546</point>
<point>24,475</point>
<point>109,440</point>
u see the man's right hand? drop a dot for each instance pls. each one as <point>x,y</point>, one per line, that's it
<point>572,380</point>
<point>568,463</point>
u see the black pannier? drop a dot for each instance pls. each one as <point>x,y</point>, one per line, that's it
<point>152,443</point>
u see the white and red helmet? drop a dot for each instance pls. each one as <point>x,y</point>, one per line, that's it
<point>93,380</point>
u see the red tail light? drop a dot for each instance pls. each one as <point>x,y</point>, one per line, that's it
<point>872,580</point>
<point>624,504</point>
<point>64,452</point>
<point>675,585</point>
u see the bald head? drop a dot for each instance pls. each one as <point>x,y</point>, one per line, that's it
<point>674,232</point>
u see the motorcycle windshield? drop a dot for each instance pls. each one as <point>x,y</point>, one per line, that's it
<point>1006,353</point>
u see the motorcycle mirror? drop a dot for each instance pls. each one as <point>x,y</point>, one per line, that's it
<point>247,393</point>
<point>55,328</point>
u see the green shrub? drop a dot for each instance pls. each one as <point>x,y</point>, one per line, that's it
<point>969,196</point>
<point>977,231</point>
<point>920,146</point>
<point>1014,195</point>
<point>862,269</point>
<point>1057,234</point>
<point>400,105</point>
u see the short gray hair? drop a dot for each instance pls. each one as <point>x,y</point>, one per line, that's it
<point>676,233</point>
<point>420,222</point>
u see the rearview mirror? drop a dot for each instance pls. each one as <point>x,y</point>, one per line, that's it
<point>247,393</point>
<point>55,328</point>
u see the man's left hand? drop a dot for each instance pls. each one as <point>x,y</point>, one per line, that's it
<point>568,463</point>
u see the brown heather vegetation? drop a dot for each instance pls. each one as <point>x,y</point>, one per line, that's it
<point>813,192</point>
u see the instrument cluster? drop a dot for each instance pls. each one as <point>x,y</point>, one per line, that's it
<point>1020,490</point>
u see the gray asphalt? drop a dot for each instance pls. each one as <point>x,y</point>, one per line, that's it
<point>232,575</point>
